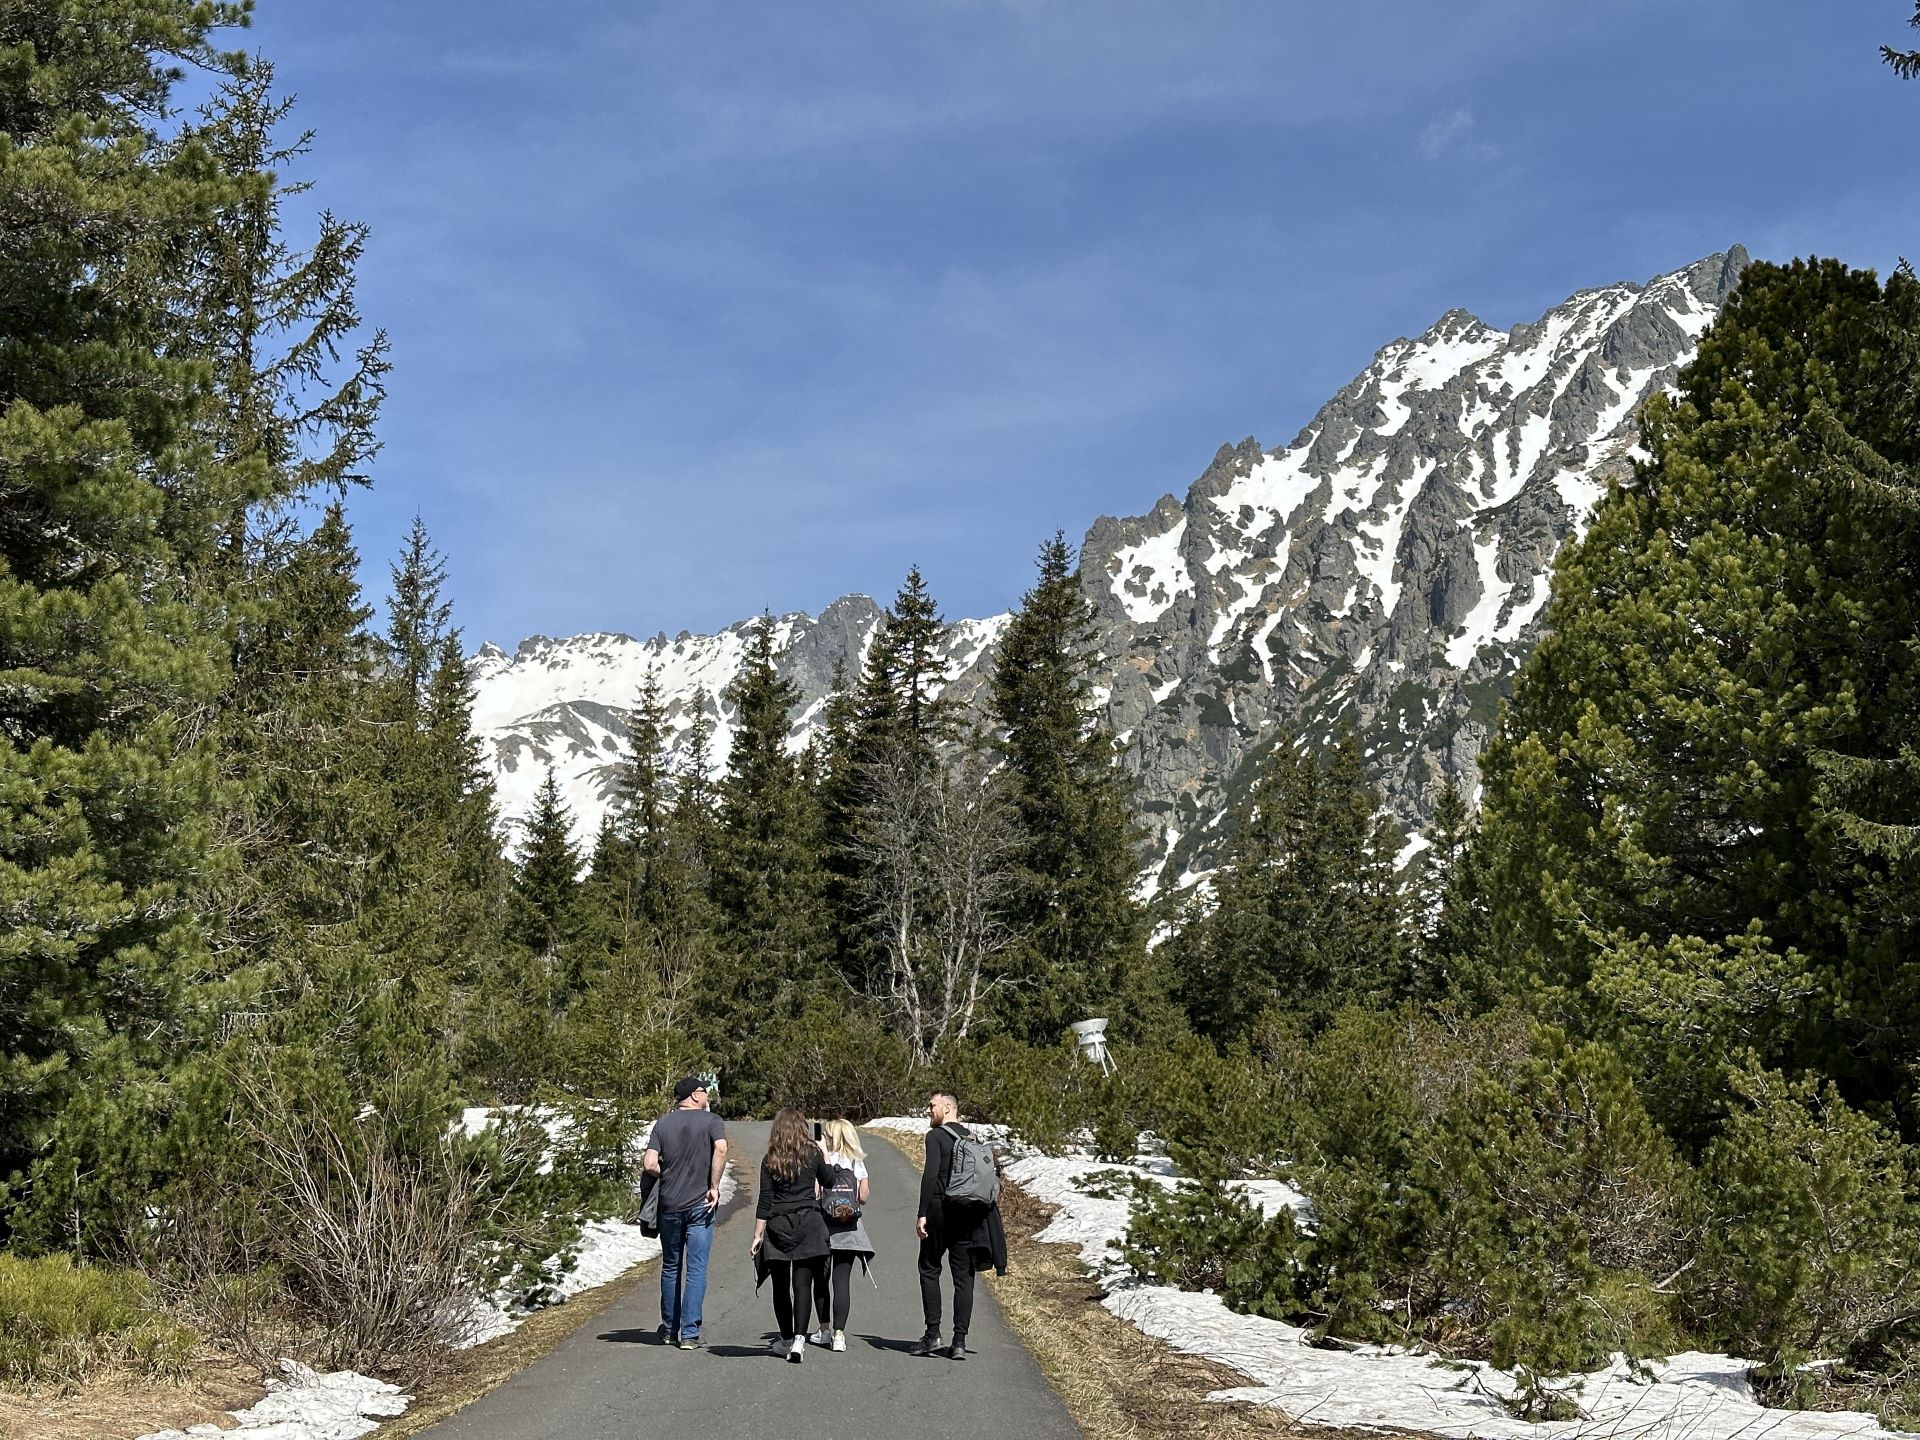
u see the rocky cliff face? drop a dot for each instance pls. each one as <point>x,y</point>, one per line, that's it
<point>1386,569</point>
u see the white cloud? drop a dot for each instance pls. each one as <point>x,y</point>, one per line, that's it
<point>1445,131</point>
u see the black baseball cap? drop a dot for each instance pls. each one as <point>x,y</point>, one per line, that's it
<point>686,1088</point>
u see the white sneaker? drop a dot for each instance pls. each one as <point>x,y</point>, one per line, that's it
<point>822,1336</point>
<point>840,1341</point>
<point>797,1349</point>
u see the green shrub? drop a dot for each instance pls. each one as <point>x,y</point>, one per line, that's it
<point>1551,1190</point>
<point>1041,1094</point>
<point>1190,1235</point>
<point>61,1322</point>
<point>836,1060</point>
<point>1514,1207</point>
<point>1809,1227</point>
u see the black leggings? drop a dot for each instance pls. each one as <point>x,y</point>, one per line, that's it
<point>793,1282</point>
<point>842,1289</point>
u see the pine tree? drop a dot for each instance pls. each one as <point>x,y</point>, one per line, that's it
<point>113,505</point>
<point>1082,928</point>
<point>1308,916</point>
<point>438,914</point>
<point>1449,899</point>
<point>642,790</point>
<point>293,737</point>
<point>1662,858</point>
<point>1905,63</point>
<point>418,616</point>
<point>837,789</point>
<point>547,880</point>
<point>694,822</point>
<point>900,700</point>
<point>768,880</point>
<point>276,322</point>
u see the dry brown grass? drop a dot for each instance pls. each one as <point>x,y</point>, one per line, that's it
<point>1116,1382</point>
<point>116,1406</point>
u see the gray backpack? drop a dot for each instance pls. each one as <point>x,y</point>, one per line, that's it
<point>974,1180</point>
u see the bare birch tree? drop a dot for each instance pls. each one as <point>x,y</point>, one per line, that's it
<point>937,849</point>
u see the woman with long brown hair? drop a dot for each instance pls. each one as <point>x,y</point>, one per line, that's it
<point>789,1232</point>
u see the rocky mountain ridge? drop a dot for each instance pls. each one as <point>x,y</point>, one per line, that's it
<point>1386,568</point>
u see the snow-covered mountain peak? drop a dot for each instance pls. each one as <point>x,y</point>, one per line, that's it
<point>1385,569</point>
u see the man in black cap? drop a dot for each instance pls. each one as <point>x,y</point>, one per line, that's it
<point>688,1151</point>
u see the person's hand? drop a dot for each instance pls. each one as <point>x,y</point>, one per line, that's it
<point>754,1248</point>
<point>921,1226</point>
<point>713,1198</point>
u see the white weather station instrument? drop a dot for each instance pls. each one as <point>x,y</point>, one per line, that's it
<point>1091,1036</point>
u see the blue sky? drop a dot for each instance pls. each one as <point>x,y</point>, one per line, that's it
<point>704,308</point>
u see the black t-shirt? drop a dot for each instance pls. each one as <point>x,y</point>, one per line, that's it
<point>784,1195</point>
<point>685,1140</point>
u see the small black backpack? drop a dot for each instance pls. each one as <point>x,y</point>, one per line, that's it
<point>841,1199</point>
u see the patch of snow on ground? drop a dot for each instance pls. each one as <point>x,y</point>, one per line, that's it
<point>1690,1396</point>
<point>307,1405</point>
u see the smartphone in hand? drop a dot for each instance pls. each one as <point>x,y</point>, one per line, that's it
<point>816,1132</point>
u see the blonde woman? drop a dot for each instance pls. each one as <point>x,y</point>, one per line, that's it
<point>846,1233</point>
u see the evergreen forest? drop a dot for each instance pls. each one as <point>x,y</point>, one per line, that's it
<point>1627,1061</point>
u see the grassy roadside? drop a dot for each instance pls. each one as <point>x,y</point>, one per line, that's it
<point>473,1373</point>
<point>120,1406</point>
<point>1117,1383</point>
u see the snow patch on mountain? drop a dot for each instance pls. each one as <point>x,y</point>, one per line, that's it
<point>1387,569</point>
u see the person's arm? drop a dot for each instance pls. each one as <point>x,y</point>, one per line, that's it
<point>939,1143</point>
<point>719,1169</point>
<point>759,1235</point>
<point>863,1185</point>
<point>763,1203</point>
<point>650,1162</point>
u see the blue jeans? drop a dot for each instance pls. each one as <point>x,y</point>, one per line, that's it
<point>688,1234</point>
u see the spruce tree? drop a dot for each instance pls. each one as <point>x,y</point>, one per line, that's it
<point>837,789</point>
<point>113,503</point>
<point>1082,928</point>
<point>768,879</point>
<point>900,700</point>
<point>1307,916</point>
<point>547,880</point>
<point>1905,63</point>
<point>642,789</point>
<point>438,914</point>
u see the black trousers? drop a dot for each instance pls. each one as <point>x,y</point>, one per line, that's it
<point>793,1282</point>
<point>957,1250</point>
<point>842,1289</point>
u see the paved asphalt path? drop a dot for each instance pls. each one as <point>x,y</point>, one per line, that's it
<point>612,1378</point>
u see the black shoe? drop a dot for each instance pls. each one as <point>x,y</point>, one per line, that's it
<point>958,1350</point>
<point>926,1344</point>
